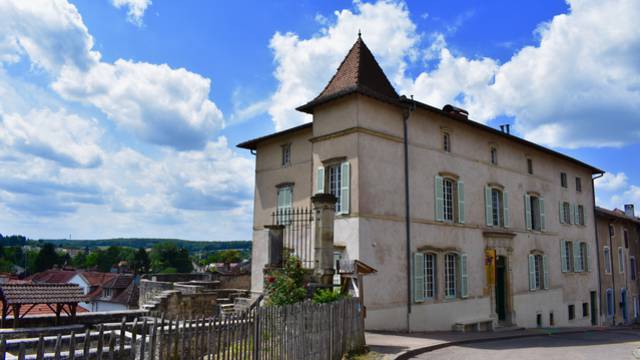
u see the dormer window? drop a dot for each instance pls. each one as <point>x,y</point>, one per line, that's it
<point>107,292</point>
<point>286,155</point>
<point>446,141</point>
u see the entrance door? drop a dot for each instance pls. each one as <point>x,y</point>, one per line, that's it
<point>623,305</point>
<point>501,288</point>
<point>594,310</point>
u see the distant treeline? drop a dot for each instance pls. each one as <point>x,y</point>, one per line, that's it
<point>145,243</point>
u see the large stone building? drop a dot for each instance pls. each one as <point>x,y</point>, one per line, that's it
<point>466,225</point>
<point>618,240</point>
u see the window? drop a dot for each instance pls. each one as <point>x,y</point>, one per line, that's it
<point>565,213</point>
<point>286,155</point>
<point>538,272</point>
<point>107,292</point>
<point>337,178</point>
<point>607,260</point>
<point>497,207</point>
<point>494,156</point>
<point>584,256</point>
<point>610,304</point>
<point>585,309</point>
<point>625,234</point>
<point>572,311</point>
<point>581,215</point>
<point>612,231</point>
<point>530,166</point>
<point>449,201</point>
<point>621,260</point>
<point>563,180</point>
<point>633,267</point>
<point>578,184</point>
<point>429,275</point>
<point>446,141</point>
<point>450,275</point>
<point>551,320</point>
<point>534,212</point>
<point>283,207</point>
<point>566,254</point>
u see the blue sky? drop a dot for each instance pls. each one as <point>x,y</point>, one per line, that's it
<point>120,117</point>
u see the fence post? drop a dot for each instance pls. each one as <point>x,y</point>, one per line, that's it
<point>256,333</point>
<point>324,207</point>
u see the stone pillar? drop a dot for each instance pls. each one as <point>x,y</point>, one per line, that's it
<point>275,245</point>
<point>324,208</point>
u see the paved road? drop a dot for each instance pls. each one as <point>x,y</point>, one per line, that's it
<point>607,345</point>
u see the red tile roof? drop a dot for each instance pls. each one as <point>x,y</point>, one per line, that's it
<point>53,276</point>
<point>359,72</point>
<point>43,309</point>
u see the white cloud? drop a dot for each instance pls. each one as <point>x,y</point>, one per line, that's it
<point>65,138</point>
<point>611,182</point>
<point>304,66</point>
<point>163,106</point>
<point>136,9</point>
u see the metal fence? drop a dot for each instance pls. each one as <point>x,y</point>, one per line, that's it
<point>299,331</point>
<point>297,233</point>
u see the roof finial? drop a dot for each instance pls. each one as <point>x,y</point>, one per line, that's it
<point>359,34</point>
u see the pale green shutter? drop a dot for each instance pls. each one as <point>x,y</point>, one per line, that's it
<point>577,259</point>
<point>527,211</point>
<point>464,277</point>
<point>345,187</point>
<point>561,208</point>
<point>572,215</point>
<point>576,214</point>
<point>545,267</point>
<point>320,180</point>
<point>418,277</point>
<point>505,208</point>
<point>541,206</point>
<point>461,202</point>
<point>564,256</point>
<point>488,205</point>
<point>439,204</point>
<point>532,272</point>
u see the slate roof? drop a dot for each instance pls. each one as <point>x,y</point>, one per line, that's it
<point>360,73</point>
<point>40,293</point>
<point>128,296</point>
<point>119,282</point>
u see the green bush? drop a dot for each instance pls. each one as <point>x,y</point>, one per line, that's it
<point>287,285</point>
<point>323,296</point>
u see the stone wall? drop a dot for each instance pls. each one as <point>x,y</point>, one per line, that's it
<point>239,281</point>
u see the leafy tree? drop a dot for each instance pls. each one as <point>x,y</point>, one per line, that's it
<point>46,258</point>
<point>168,255</point>
<point>141,263</point>
<point>79,261</point>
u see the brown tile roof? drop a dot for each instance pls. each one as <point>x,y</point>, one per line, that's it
<point>119,282</point>
<point>40,293</point>
<point>616,213</point>
<point>53,276</point>
<point>359,72</point>
<point>95,278</point>
<point>43,309</point>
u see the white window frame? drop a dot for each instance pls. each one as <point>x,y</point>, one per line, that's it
<point>497,207</point>
<point>606,251</point>
<point>451,275</point>
<point>534,212</point>
<point>449,199</point>
<point>284,204</point>
<point>430,275</point>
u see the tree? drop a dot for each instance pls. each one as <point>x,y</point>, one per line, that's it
<point>167,255</point>
<point>287,285</point>
<point>141,263</point>
<point>46,258</point>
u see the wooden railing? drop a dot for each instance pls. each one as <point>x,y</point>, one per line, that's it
<point>299,331</point>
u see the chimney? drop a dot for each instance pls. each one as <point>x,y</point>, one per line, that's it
<point>456,111</point>
<point>505,128</point>
<point>629,210</point>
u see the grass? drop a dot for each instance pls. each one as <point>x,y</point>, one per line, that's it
<point>364,355</point>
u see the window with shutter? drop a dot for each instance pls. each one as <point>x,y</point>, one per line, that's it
<point>488,206</point>
<point>439,198</point>
<point>460,194</point>
<point>532,273</point>
<point>541,213</point>
<point>430,271</point>
<point>505,208</point>
<point>545,267</point>
<point>621,260</point>
<point>284,204</point>
<point>345,188</point>
<point>320,180</point>
<point>577,257</point>
<point>564,255</point>
<point>607,260</point>
<point>527,211</point>
<point>450,275</point>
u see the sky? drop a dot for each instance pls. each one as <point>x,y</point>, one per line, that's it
<point>119,118</point>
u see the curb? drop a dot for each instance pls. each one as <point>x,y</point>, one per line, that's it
<point>407,355</point>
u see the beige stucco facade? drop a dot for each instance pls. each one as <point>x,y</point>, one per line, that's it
<point>369,135</point>
<point>621,282</point>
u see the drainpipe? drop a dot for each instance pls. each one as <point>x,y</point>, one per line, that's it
<point>405,117</point>
<point>595,224</point>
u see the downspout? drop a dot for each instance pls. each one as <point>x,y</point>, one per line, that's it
<point>405,117</point>
<point>595,224</point>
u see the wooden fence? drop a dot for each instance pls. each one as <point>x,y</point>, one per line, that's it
<point>299,331</point>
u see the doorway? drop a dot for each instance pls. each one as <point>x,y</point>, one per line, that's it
<point>623,305</point>
<point>501,288</point>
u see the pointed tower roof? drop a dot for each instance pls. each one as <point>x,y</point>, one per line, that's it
<point>359,72</point>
